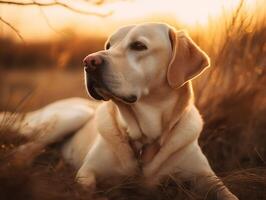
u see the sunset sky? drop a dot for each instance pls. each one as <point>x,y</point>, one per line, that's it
<point>35,23</point>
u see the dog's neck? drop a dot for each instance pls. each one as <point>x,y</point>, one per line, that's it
<point>154,114</point>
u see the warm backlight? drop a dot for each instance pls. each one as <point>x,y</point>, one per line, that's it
<point>36,23</point>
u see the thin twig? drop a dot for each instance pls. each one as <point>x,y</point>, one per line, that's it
<point>56,3</point>
<point>48,21</point>
<point>13,28</point>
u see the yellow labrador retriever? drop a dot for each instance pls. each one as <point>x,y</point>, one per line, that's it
<point>148,123</point>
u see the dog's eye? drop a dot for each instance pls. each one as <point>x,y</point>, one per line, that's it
<point>108,45</point>
<point>138,46</point>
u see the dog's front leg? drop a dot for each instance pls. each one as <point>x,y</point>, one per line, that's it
<point>185,132</point>
<point>195,167</point>
<point>100,163</point>
<point>115,137</point>
<point>190,164</point>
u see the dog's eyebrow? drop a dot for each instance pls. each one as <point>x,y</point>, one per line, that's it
<point>121,33</point>
<point>112,40</point>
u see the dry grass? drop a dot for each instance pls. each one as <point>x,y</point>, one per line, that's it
<point>231,97</point>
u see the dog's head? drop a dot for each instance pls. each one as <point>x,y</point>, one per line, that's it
<point>140,58</point>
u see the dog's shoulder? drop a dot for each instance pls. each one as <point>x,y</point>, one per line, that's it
<point>191,120</point>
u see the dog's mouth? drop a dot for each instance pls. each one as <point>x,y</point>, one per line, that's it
<point>97,92</point>
<point>102,92</point>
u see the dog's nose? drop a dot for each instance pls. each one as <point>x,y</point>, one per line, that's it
<point>92,62</point>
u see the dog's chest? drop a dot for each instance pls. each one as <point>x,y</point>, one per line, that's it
<point>148,127</point>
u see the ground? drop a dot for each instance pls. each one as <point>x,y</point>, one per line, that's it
<point>233,139</point>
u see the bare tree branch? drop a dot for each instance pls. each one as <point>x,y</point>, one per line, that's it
<point>50,4</point>
<point>56,3</point>
<point>12,27</point>
<point>48,21</point>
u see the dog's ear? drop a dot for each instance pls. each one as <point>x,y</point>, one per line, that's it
<point>187,60</point>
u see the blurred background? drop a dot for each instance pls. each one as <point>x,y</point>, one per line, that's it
<point>42,44</point>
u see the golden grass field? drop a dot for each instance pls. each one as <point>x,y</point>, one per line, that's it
<point>231,96</point>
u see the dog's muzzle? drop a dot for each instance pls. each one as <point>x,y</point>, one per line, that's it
<point>94,66</point>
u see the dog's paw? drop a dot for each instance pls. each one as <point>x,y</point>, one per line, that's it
<point>225,194</point>
<point>149,170</point>
<point>86,179</point>
<point>150,183</point>
<point>130,168</point>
